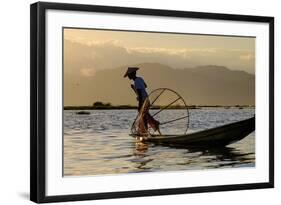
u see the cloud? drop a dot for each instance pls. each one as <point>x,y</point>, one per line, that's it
<point>86,58</point>
<point>87,72</point>
<point>247,57</point>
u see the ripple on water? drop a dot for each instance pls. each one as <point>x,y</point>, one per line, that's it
<point>99,144</point>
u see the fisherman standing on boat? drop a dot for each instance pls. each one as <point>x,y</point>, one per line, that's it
<point>139,88</point>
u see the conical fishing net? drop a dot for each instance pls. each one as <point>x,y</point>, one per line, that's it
<point>164,112</point>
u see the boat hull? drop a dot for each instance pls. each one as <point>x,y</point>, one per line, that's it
<point>218,136</point>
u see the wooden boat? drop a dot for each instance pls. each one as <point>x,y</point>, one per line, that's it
<point>218,136</point>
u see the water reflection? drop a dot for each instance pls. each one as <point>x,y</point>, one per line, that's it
<point>140,149</point>
<point>207,157</point>
<point>100,143</point>
<point>140,153</point>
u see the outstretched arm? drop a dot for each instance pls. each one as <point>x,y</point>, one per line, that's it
<point>134,89</point>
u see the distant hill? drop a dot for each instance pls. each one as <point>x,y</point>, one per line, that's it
<point>204,85</point>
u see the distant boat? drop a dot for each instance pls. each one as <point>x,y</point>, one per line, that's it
<point>82,113</point>
<point>218,136</point>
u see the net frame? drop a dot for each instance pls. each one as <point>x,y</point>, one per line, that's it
<point>147,105</point>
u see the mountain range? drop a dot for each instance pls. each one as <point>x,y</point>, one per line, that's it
<point>204,85</point>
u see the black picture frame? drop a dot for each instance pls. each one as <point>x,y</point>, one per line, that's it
<point>38,108</point>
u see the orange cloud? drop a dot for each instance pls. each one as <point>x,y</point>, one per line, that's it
<point>87,72</point>
<point>247,57</point>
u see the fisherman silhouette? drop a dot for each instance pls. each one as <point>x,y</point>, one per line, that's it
<point>139,88</point>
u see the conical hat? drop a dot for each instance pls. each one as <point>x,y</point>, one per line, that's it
<point>130,70</point>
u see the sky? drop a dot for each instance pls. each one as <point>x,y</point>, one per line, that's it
<point>93,50</point>
<point>96,60</point>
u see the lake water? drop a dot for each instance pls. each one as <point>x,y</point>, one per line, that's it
<point>99,143</point>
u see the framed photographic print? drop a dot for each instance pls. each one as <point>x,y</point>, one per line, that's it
<point>129,102</point>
